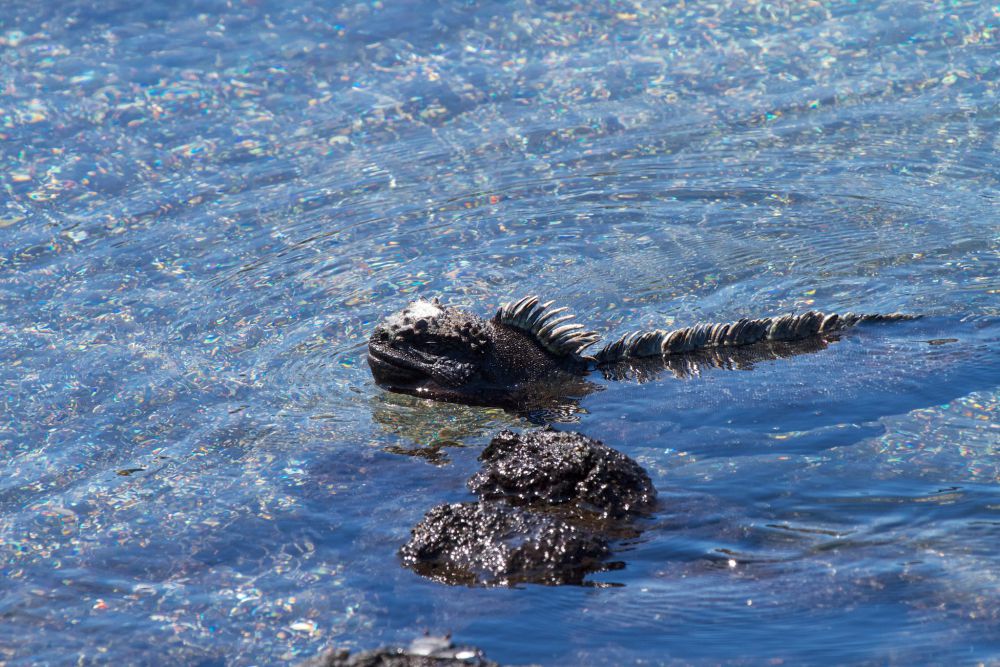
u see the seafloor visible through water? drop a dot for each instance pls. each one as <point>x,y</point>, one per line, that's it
<point>208,204</point>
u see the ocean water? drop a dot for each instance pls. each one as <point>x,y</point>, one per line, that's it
<point>208,204</point>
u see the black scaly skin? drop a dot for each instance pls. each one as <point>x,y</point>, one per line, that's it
<point>528,355</point>
<point>448,354</point>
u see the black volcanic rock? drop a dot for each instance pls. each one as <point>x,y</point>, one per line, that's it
<point>491,544</point>
<point>422,652</point>
<point>554,468</point>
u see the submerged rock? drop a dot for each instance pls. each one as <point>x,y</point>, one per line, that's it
<point>491,544</point>
<point>554,468</point>
<point>426,651</point>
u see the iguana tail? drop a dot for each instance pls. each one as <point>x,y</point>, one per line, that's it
<point>785,328</point>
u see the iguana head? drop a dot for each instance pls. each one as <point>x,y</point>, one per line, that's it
<point>428,347</point>
<point>446,353</point>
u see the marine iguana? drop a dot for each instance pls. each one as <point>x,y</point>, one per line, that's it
<point>529,352</point>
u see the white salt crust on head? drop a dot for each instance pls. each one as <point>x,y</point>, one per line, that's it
<point>423,309</point>
<point>418,310</point>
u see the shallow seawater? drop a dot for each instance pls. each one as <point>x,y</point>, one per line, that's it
<point>207,206</point>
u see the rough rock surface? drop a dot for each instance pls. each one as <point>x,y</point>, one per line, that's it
<point>493,544</point>
<point>549,468</point>
<point>422,652</point>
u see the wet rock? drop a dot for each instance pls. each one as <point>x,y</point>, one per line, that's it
<point>491,544</point>
<point>423,652</point>
<point>562,468</point>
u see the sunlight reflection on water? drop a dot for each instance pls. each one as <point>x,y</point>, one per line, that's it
<point>209,205</point>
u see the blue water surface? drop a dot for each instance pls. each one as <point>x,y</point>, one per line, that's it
<point>208,204</point>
